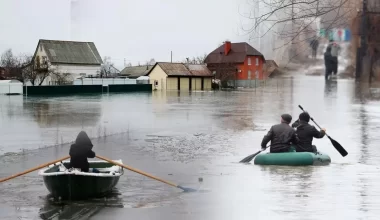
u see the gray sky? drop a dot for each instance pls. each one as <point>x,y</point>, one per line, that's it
<point>136,30</point>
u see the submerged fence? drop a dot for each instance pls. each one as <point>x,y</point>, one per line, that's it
<point>85,89</point>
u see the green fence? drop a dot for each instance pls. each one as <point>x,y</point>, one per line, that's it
<point>84,89</point>
<point>130,88</point>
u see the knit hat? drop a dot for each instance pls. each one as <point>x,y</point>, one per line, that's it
<point>304,116</point>
<point>287,118</point>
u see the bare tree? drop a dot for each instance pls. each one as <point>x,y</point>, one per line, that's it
<point>33,71</point>
<point>294,20</point>
<point>225,72</point>
<point>60,78</point>
<point>106,69</point>
<point>12,65</point>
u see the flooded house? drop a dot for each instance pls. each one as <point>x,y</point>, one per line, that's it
<point>73,58</point>
<point>236,64</point>
<point>180,76</point>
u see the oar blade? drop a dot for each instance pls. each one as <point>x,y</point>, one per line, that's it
<point>250,157</point>
<point>186,189</point>
<point>338,147</point>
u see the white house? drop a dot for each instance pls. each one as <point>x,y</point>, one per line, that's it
<point>76,58</point>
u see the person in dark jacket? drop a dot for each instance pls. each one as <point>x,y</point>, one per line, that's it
<point>281,136</point>
<point>329,63</point>
<point>306,133</point>
<point>80,151</point>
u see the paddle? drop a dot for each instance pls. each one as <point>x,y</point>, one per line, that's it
<point>33,169</point>
<point>250,157</point>
<point>146,174</point>
<point>337,146</point>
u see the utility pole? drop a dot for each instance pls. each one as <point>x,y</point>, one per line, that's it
<point>171,56</point>
<point>362,50</point>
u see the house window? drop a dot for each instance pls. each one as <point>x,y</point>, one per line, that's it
<point>257,61</point>
<point>249,61</point>
<point>41,48</point>
<point>249,74</point>
<point>44,59</point>
<point>257,74</point>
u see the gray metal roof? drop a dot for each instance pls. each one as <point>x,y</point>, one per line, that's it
<point>70,52</point>
<point>136,71</point>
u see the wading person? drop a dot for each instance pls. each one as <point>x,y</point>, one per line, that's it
<point>80,151</point>
<point>314,47</point>
<point>306,133</point>
<point>329,63</point>
<point>281,136</point>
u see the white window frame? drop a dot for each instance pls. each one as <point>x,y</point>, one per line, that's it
<point>249,61</point>
<point>249,74</point>
<point>257,61</point>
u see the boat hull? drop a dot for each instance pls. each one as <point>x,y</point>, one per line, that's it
<point>79,187</point>
<point>293,159</point>
<point>76,185</point>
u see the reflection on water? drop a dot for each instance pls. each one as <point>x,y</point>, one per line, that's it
<point>331,87</point>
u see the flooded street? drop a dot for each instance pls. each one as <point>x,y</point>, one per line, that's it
<point>182,137</point>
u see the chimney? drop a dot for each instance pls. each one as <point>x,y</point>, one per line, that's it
<point>227,47</point>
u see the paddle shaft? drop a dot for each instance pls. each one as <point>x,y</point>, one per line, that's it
<point>313,120</point>
<point>137,171</point>
<point>33,169</point>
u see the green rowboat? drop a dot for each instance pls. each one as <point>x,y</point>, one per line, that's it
<point>293,159</point>
<point>73,184</point>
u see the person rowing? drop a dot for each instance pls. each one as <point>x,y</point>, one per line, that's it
<point>306,133</point>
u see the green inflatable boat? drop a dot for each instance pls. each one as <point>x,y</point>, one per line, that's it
<point>293,159</point>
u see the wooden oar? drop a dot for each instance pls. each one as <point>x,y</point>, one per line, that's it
<point>33,169</point>
<point>146,174</point>
<point>250,157</point>
<point>337,146</point>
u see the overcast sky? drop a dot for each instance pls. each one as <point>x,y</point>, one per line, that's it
<point>135,30</point>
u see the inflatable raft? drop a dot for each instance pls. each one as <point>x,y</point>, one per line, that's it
<point>293,159</point>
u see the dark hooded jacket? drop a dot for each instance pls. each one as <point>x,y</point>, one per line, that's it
<point>281,137</point>
<point>306,133</point>
<point>80,151</point>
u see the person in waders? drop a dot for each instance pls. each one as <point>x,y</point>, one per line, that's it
<point>306,133</point>
<point>80,151</point>
<point>281,136</point>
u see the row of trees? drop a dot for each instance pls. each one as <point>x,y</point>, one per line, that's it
<point>25,69</point>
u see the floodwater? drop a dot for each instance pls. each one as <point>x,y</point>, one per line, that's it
<point>196,140</point>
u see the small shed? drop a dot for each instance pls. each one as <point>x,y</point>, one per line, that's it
<point>11,87</point>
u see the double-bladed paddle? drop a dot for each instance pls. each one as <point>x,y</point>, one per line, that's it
<point>337,146</point>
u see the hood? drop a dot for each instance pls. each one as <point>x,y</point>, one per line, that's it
<point>83,139</point>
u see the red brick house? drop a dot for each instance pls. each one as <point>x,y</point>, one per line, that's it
<point>237,62</point>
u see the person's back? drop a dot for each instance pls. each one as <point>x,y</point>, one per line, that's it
<point>306,133</point>
<point>80,151</point>
<point>281,136</point>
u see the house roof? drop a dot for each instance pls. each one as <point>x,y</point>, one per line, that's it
<point>70,52</point>
<point>237,54</point>
<point>180,69</point>
<point>136,71</point>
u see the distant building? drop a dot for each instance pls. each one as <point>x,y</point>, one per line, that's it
<point>134,72</point>
<point>79,59</point>
<point>179,76</point>
<point>237,64</point>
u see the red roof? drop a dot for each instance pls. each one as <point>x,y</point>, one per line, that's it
<point>237,54</point>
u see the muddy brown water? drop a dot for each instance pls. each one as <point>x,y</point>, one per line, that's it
<point>182,137</point>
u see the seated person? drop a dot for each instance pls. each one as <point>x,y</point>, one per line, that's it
<point>281,136</point>
<point>80,151</point>
<point>305,133</point>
